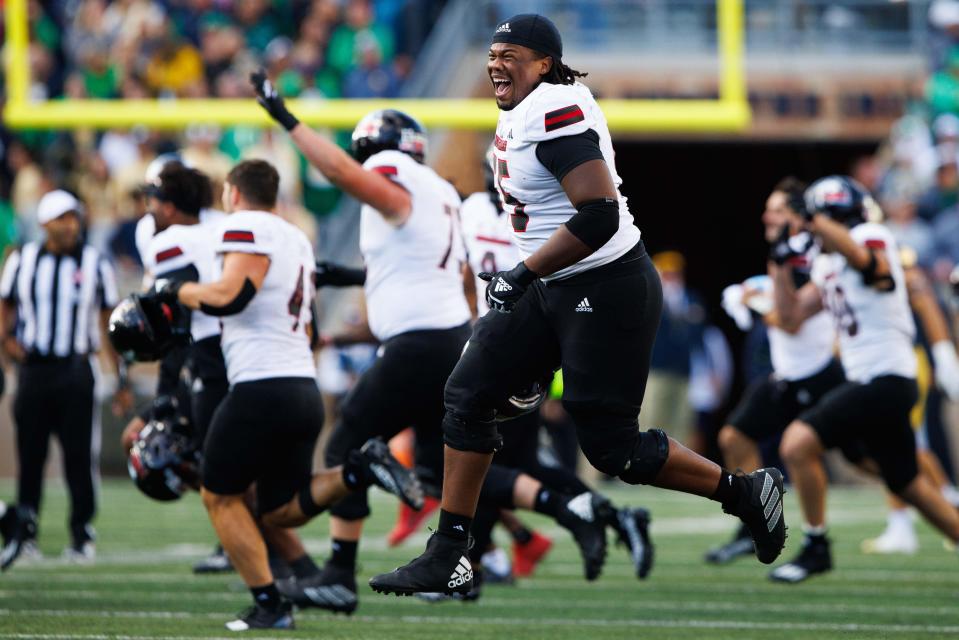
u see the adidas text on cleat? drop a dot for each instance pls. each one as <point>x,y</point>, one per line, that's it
<point>333,589</point>
<point>257,617</point>
<point>633,529</point>
<point>443,568</point>
<point>386,472</point>
<point>761,510</point>
<point>740,545</point>
<point>814,558</point>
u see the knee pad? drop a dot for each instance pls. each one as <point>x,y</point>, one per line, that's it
<point>355,506</point>
<point>647,457</point>
<point>475,435</point>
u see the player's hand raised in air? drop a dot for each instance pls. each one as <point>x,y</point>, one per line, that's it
<point>270,99</point>
<point>505,288</point>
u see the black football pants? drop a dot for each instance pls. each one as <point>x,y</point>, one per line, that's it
<point>56,397</point>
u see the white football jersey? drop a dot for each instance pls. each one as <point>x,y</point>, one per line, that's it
<point>876,329</point>
<point>181,246</point>
<point>147,226</point>
<point>269,339</point>
<point>533,198</point>
<point>799,355</point>
<point>414,270</point>
<point>488,240</point>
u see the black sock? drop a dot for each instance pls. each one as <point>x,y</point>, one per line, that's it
<point>549,502</point>
<point>344,553</point>
<point>729,489</point>
<point>454,525</point>
<point>267,596</point>
<point>304,567</point>
<point>522,535</point>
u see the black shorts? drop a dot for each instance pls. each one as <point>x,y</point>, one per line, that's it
<point>770,404</point>
<point>875,415</point>
<point>403,388</point>
<point>599,326</point>
<point>209,386</point>
<point>265,432</point>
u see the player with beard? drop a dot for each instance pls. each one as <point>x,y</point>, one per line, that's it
<point>585,297</point>
<point>804,367</point>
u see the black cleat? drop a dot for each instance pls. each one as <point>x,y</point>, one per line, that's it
<point>740,545</point>
<point>386,471</point>
<point>581,517</point>
<point>216,562</point>
<point>333,589</point>
<point>470,596</point>
<point>633,531</point>
<point>257,617</point>
<point>19,528</point>
<point>761,510</point>
<point>815,557</point>
<point>443,568</point>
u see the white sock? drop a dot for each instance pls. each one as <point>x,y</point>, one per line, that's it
<point>810,530</point>
<point>951,494</point>
<point>899,519</point>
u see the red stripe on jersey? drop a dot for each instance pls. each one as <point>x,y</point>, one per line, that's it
<point>493,240</point>
<point>238,236</point>
<point>169,254</point>
<point>564,117</point>
<point>798,261</point>
<point>385,170</point>
<point>875,244</point>
<point>499,143</point>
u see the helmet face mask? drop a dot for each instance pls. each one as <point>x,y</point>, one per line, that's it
<point>388,129</point>
<point>163,463</point>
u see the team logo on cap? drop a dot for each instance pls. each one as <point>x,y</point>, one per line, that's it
<point>504,28</point>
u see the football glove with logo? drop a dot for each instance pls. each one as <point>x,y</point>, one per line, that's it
<point>505,288</point>
<point>270,99</point>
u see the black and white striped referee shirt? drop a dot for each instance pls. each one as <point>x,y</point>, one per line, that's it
<point>58,298</point>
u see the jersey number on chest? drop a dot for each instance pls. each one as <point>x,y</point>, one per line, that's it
<point>518,218</point>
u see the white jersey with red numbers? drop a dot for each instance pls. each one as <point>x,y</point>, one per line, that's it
<point>180,247</point>
<point>489,241</point>
<point>413,270</point>
<point>269,339</point>
<point>533,198</point>
<point>876,329</point>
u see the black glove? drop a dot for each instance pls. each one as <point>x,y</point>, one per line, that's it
<point>505,288</point>
<point>165,291</point>
<point>330,274</point>
<point>798,204</point>
<point>781,250</point>
<point>270,100</point>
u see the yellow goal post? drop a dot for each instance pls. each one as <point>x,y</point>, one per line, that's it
<point>729,113</point>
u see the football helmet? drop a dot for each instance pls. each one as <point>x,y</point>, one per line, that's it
<point>838,197</point>
<point>163,462</point>
<point>144,329</point>
<point>525,401</point>
<point>388,129</point>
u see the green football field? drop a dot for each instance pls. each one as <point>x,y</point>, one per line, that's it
<point>141,586</point>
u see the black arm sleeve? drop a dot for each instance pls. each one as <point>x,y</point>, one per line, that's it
<point>188,273</point>
<point>329,274</point>
<point>562,155</point>
<point>234,306</point>
<point>595,222</point>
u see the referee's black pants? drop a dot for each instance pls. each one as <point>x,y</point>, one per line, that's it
<point>599,326</point>
<point>55,397</point>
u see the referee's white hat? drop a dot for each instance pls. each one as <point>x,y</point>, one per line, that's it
<point>55,204</point>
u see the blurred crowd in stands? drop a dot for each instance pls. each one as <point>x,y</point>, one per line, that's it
<point>170,49</point>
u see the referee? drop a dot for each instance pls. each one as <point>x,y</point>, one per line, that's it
<point>55,298</point>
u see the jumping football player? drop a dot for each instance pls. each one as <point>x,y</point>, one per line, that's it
<point>585,298</point>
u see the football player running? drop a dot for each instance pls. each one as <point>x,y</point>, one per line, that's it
<point>265,430</point>
<point>804,368</point>
<point>585,297</point>
<point>860,280</point>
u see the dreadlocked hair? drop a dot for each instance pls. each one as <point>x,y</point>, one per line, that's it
<point>559,73</point>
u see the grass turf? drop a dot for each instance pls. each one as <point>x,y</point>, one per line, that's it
<point>141,586</point>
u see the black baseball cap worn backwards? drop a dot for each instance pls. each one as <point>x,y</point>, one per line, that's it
<point>532,31</point>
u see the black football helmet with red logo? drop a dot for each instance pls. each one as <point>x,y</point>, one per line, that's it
<point>388,129</point>
<point>164,462</point>
<point>838,197</point>
<point>144,329</point>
